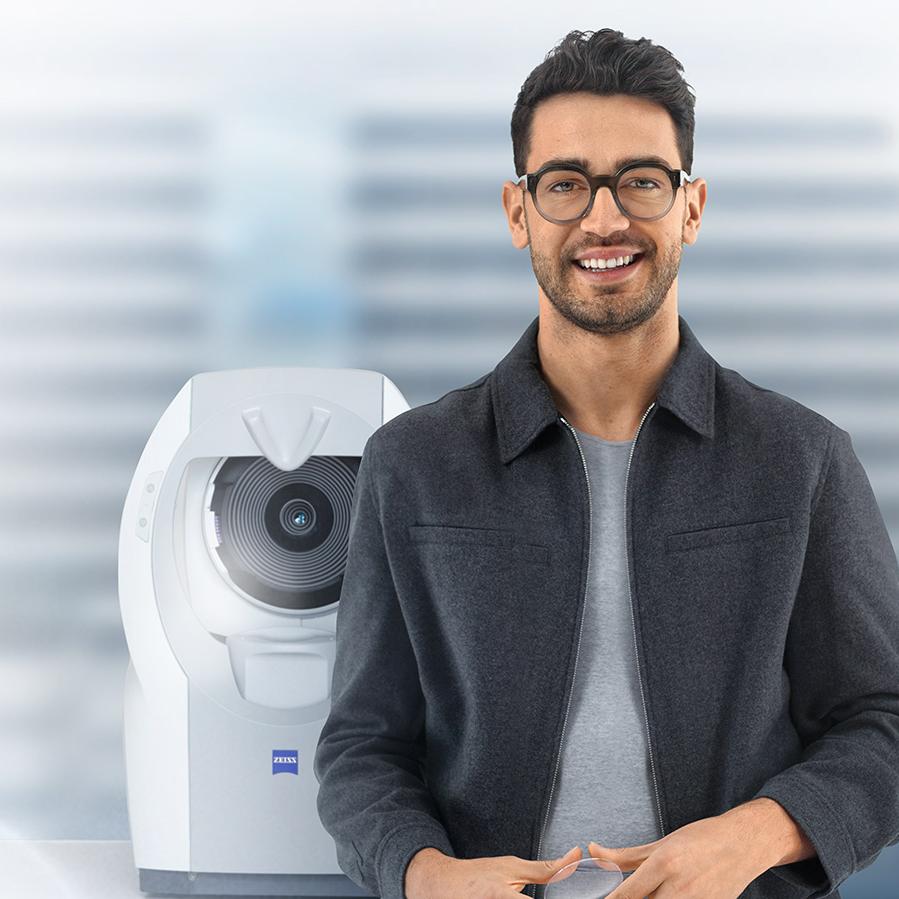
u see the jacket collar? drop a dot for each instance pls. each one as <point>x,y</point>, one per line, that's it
<point>524,404</point>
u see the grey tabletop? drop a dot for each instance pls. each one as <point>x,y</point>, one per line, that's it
<point>68,869</point>
<point>71,869</point>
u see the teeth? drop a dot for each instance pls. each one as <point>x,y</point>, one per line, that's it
<point>604,263</point>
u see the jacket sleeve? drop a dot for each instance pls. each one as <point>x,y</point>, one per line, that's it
<point>842,659</point>
<point>372,799</point>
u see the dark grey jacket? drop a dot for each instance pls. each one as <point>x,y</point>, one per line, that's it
<point>765,596</point>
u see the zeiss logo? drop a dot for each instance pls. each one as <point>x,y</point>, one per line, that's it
<point>284,761</point>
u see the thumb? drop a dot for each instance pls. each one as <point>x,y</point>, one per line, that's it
<point>549,866</point>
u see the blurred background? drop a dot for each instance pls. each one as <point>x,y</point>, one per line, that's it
<point>213,185</point>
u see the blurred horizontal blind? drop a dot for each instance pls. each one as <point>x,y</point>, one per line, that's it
<point>103,316</point>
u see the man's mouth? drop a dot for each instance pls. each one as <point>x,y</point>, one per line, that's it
<point>608,269</point>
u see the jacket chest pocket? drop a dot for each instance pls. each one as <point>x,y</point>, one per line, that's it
<point>729,533</point>
<point>501,543</point>
<point>473,587</point>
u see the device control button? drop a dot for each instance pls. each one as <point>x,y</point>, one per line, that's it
<point>147,504</point>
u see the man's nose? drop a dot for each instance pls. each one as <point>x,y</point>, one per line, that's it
<point>604,215</point>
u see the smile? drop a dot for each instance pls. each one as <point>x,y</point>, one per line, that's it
<point>616,273</point>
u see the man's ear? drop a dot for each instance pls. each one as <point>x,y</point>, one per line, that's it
<point>696,192</point>
<point>516,214</point>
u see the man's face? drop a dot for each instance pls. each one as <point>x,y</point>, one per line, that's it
<point>604,130</point>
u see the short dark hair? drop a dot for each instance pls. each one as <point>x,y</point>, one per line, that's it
<point>606,62</point>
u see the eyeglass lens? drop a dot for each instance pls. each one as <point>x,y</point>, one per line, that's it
<point>643,192</point>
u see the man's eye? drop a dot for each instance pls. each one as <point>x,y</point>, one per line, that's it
<point>553,188</point>
<point>645,181</point>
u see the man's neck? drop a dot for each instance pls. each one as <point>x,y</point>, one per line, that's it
<point>603,383</point>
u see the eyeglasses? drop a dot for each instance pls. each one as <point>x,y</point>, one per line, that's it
<point>644,191</point>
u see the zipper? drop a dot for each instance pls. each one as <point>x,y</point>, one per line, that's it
<point>532,889</point>
<point>652,765</point>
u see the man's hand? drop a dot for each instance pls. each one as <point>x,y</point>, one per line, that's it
<point>712,858</point>
<point>433,875</point>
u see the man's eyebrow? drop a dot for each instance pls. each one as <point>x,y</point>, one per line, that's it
<point>620,163</point>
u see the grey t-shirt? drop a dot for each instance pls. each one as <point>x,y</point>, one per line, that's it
<point>604,789</point>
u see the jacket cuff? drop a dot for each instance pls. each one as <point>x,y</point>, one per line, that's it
<point>835,856</point>
<point>396,851</point>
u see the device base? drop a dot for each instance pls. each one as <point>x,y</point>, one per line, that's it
<point>313,886</point>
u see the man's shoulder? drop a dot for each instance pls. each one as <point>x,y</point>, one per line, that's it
<point>459,414</point>
<point>743,404</point>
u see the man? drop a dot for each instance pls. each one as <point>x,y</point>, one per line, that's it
<point>612,593</point>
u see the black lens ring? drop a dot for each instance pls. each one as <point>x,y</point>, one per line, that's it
<point>297,571</point>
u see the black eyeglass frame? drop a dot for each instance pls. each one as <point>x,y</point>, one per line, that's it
<point>678,178</point>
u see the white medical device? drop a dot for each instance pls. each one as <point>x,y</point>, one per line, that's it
<point>232,549</point>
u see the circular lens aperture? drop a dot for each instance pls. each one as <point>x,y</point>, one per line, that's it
<point>282,536</point>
